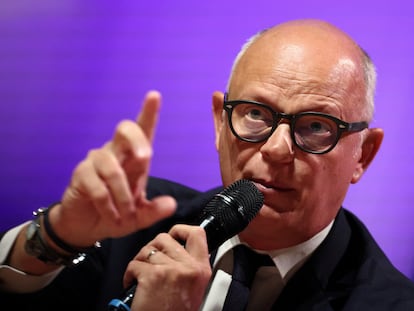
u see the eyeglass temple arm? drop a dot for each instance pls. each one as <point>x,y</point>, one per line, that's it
<point>355,127</point>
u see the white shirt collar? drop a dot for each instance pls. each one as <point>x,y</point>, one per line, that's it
<point>287,260</point>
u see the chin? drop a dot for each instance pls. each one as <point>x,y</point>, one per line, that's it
<point>267,218</point>
<point>273,212</point>
<point>270,230</point>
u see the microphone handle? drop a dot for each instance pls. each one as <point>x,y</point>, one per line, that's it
<point>125,303</point>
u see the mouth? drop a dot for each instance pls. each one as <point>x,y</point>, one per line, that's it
<point>276,196</point>
<point>268,187</point>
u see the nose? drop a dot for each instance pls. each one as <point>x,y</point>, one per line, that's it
<point>279,146</point>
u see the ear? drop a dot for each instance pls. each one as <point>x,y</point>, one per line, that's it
<point>218,98</point>
<point>370,146</point>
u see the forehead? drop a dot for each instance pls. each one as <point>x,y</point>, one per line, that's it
<point>298,62</point>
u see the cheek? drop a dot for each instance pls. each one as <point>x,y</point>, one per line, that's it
<point>350,154</point>
<point>234,156</point>
<point>337,171</point>
<point>226,156</point>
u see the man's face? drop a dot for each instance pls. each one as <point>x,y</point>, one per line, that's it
<point>302,191</point>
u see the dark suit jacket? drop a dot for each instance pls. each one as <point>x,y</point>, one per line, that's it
<point>347,272</point>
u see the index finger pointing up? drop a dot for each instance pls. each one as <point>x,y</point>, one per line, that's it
<point>148,117</point>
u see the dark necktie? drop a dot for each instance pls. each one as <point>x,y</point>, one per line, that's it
<point>246,263</point>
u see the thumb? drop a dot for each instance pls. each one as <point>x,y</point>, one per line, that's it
<point>155,210</point>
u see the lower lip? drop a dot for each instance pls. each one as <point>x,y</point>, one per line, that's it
<point>268,190</point>
<point>274,198</point>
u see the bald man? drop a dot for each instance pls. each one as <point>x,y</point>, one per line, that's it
<point>294,120</point>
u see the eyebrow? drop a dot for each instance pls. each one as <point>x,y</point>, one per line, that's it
<point>316,106</point>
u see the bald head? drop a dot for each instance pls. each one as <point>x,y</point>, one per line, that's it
<point>310,47</point>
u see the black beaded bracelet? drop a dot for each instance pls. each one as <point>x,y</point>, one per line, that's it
<point>50,256</point>
<point>52,235</point>
<point>37,246</point>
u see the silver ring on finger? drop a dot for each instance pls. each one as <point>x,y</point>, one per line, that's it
<point>151,253</point>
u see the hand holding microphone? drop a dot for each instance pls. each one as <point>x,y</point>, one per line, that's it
<point>228,213</point>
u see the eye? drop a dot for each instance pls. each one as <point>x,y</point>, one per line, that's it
<point>251,121</point>
<point>316,127</point>
<point>255,114</point>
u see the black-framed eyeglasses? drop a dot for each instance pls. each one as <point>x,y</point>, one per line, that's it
<point>312,132</point>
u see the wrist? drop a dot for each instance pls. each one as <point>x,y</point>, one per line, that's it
<point>42,243</point>
<point>54,239</point>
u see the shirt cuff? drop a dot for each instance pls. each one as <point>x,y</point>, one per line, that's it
<point>16,281</point>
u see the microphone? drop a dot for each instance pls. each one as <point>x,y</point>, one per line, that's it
<point>224,216</point>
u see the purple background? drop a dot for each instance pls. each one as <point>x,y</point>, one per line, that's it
<point>70,70</point>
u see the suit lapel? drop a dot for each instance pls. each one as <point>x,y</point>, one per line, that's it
<point>322,283</point>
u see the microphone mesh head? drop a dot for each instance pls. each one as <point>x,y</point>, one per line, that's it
<point>232,209</point>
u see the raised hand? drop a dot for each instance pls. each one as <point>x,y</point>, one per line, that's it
<point>106,196</point>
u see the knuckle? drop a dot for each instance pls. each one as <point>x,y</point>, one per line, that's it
<point>100,195</point>
<point>158,273</point>
<point>198,230</point>
<point>130,137</point>
<point>79,176</point>
<point>93,154</point>
<point>113,173</point>
<point>162,238</point>
<point>130,266</point>
<point>76,172</point>
<point>81,168</point>
<point>124,128</point>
